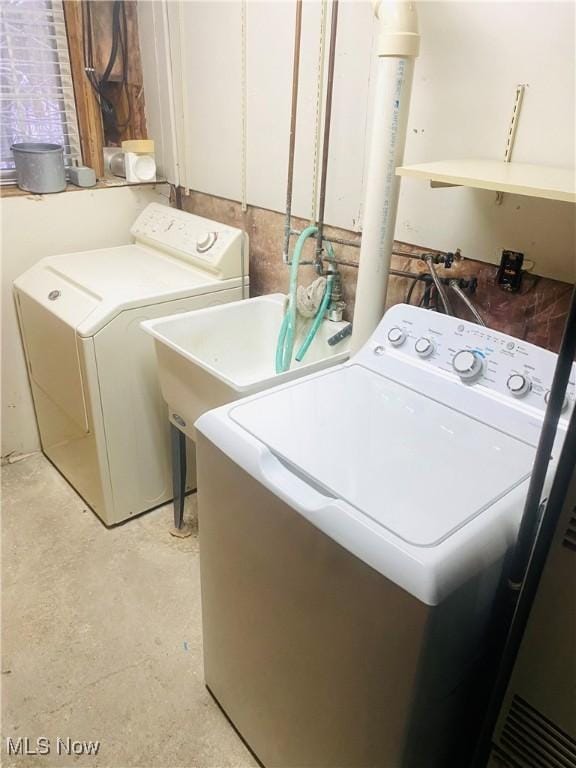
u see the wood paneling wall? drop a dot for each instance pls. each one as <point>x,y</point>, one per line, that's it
<point>128,99</point>
<point>87,107</point>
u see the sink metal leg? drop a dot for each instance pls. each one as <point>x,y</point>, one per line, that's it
<point>178,444</point>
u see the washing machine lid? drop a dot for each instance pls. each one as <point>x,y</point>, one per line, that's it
<point>414,466</point>
<point>94,286</point>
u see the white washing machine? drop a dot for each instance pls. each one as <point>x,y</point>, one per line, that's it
<point>353,527</point>
<point>92,370</point>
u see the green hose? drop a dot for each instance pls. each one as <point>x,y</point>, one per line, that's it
<point>317,319</point>
<point>285,345</point>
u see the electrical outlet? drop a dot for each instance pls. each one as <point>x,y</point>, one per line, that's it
<point>509,276</point>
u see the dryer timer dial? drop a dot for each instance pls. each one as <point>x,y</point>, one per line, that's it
<point>205,241</point>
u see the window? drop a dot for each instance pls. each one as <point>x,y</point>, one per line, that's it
<point>36,89</point>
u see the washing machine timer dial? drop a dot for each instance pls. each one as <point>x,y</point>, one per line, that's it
<point>468,364</point>
<point>518,384</point>
<point>396,336</point>
<point>565,402</point>
<point>424,346</point>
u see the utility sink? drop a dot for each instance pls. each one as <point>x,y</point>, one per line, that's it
<point>212,356</point>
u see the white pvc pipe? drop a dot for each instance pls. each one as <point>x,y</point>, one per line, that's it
<point>398,45</point>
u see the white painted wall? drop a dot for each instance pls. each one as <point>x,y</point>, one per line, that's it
<point>34,227</point>
<point>157,72</point>
<point>473,56</point>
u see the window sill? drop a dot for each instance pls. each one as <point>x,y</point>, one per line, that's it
<point>11,190</point>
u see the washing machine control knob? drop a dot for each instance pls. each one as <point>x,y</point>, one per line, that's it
<point>205,241</point>
<point>424,346</point>
<point>396,336</point>
<point>518,384</point>
<point>564,404</point>
<point>468,364</point>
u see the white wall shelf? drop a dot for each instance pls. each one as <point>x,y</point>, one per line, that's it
<point>515,178</point>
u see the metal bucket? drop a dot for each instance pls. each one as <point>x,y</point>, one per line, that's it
<point>39,167</point>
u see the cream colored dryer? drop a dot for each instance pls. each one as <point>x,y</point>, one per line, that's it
<point>92,370</point>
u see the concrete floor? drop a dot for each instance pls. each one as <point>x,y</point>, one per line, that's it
<point>102,633</point>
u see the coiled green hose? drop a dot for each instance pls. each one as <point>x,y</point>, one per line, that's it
<point>285,346</point>
<point>317,319</point>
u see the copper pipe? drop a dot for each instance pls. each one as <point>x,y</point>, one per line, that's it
<point>343,241</point>
<point>358,243</point>
<point>336,240</point>
<point>293,115</point>
<point>327,120</point>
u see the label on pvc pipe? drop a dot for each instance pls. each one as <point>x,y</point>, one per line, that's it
<point>381,193</point>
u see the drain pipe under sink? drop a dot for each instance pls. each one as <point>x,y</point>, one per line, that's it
<point>398,45</point>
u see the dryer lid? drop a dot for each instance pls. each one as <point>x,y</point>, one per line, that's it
<point>416,467</point>
<point>94,286</point>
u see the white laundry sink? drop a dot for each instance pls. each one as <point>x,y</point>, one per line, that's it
<point>213,356</point>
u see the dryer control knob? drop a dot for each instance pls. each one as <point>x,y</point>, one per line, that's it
<point>564,404</point>
<point>468,364</point>
<point>396,336</point>
<point>519,385</point>
<point>424,346</point>
<point>205,241</point>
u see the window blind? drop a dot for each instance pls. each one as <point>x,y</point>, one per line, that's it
<point>36,89</point>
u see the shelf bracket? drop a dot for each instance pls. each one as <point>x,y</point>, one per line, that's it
<point>512,128</point>
<point>434,184</point>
